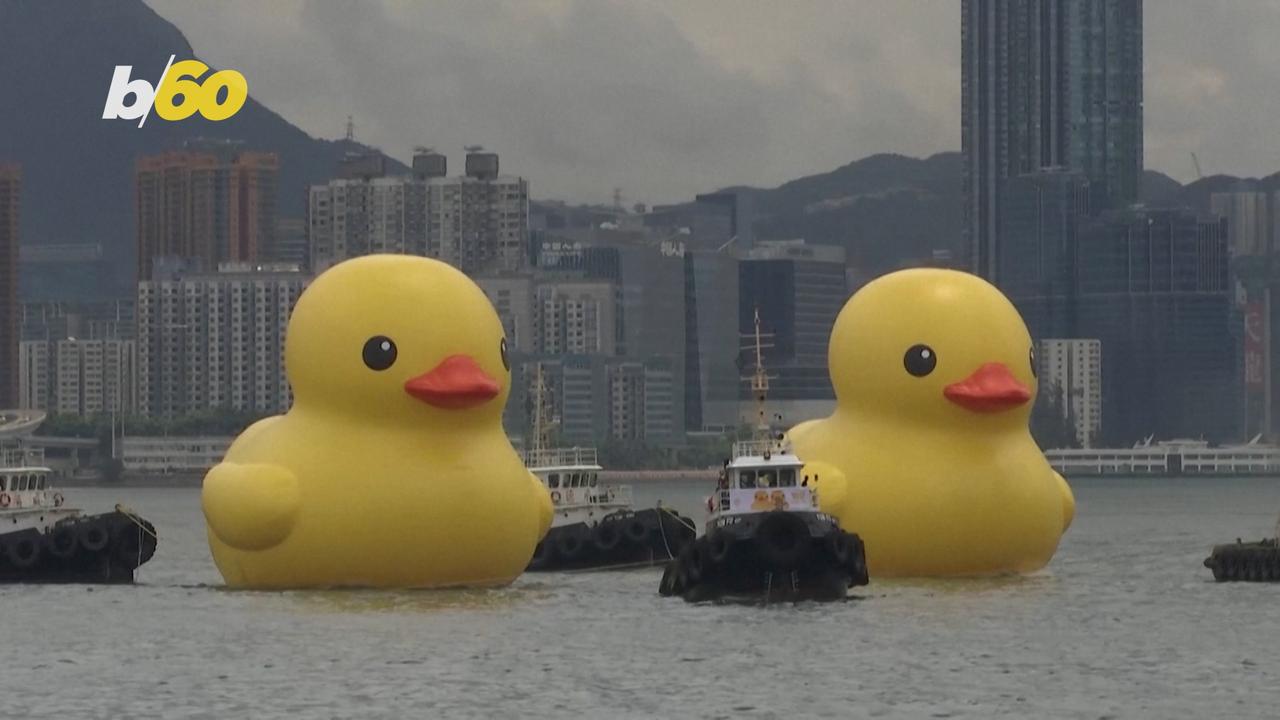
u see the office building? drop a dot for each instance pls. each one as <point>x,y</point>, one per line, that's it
<point>1153,287</point>
<point>711,373</point>
<point>216,340</point>
<point>512,298</point>
<point>1041,214</point>
<point>210,202</point>
<point>1047,83</point>
<point>798,289</point>
<point>10,196</point>
<point>1072,368</point>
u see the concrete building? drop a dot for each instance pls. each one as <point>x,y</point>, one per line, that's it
<point>78,377</point>
<point>53,272</point>
<point>209,202</point>
<point>10,196</point>
<point>478,222</point>
<point>512,297</point>
<point>288,244</point>
<point>1047,83</point>
<point>1253,218</point>
<point>593,398</point>
<point>216,340</point>
<point>1073,368</point>
<point>575,317</point>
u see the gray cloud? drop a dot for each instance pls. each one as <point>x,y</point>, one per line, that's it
<point>670,97</point>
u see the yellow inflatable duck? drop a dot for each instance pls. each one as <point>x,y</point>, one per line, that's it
<point>392,468</point>
<point>928,455</point>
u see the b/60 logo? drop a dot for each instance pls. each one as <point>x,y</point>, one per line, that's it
<point>179,94</point>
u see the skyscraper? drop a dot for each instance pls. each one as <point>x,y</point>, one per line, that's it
<point>10,191</point>
<point>478,223</point>
<point>1047,83</point>
<point>212,203</point>
<point>215,340</point>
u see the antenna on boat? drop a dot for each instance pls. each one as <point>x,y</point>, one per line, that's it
<point>537,409</point>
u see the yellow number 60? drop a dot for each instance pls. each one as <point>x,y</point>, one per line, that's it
<point>192,96</point>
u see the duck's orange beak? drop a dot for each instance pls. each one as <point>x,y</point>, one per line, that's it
<point>457,383</point>
<point>990,389</point>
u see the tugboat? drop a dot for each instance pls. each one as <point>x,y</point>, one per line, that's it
<point>765,537</point>
<point>1247,562</point>
<point>595,526</point>
<point>43,540</point>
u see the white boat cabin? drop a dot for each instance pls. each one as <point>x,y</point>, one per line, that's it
<point>762,476</point>
<point>572,476</point>
<point>28,500</point>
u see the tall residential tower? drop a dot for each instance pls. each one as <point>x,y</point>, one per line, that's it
<point>1047,84</point>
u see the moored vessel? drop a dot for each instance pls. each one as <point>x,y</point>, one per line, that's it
<point>44,540</point>
<point>1246,561</point>
<point>765,537</point>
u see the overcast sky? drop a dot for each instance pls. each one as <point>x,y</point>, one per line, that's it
<point>665,98</point>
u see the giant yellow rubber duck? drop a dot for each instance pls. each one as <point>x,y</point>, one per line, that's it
<point>391,469</point>
<point>928,455</point>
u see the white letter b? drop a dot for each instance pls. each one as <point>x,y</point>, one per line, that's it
<point>121,87</point>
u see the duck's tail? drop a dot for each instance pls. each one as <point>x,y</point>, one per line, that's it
<point>1068,502</point>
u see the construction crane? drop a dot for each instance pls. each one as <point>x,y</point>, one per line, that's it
<point>1196,161</point>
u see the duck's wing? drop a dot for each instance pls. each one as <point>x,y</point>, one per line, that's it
<point>830,485</point>
<point>250,506</point>
<point>1068,502</point>
<point>546,510</point>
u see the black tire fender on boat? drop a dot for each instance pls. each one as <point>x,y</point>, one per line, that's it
<point>24,551</point>
<point>606,536</point>
<point>61,542</point>
<point>669,585</point>
<point>635,530</point>
<point>719,545</point>
<point>841,547</point>
<point>93,536</point>
<point>569,545</point>
<point>782,539</point>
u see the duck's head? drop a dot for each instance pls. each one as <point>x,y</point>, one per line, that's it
<point>935,346</point>
<point>398,338</point>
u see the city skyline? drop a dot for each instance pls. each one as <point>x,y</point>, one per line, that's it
<point>749,83</point>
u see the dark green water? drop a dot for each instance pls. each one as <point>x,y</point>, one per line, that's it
<point>1124,623</point>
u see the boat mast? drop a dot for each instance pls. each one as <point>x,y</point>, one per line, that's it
<point>760,384</point>
<point>537,410</point>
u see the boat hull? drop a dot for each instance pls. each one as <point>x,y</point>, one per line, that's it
<point>769,556</point>
<point>621,539</point>
<point>99,549</point>
<point>1245,562</point>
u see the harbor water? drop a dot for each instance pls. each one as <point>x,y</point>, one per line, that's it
<point>1124,623</point>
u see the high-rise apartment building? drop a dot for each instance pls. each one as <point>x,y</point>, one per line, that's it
<point>216,340</point>
<point>478,222</point>
<point>79,377</point>
<point>577,317</point>
<point>208,202</point>
<point>1073,368</point>
<point>1047,83</point>
<point>10,194</point>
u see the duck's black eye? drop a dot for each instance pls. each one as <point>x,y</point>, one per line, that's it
<point>1033,363</point>
<point>379,352</point>
<point>920,360</point>
<point>506,359</point>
